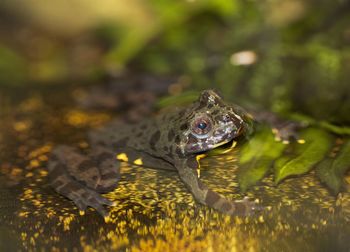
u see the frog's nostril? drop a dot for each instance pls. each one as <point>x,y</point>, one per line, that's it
<point>227,118</point>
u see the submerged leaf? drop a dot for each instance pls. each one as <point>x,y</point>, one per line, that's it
<point>331,170</point>
<point>256,158</point>
<point>305,156</point>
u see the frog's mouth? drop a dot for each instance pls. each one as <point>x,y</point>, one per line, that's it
<point>229,138</point>
<point>224,147</point>
<point>220,137</point>
<point>221,140</point>
<point>223,144</point>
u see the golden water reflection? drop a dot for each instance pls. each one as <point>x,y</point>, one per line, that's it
<point>155,212</point>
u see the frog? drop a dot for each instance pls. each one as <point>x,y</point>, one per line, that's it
<point>170,141</point>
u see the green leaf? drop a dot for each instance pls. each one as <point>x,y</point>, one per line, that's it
<point>331,170</point>
<point>340,130</point>
<point>305,156</point>
<point>256,158</point>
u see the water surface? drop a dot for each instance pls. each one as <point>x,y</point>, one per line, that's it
<point>154,210</point>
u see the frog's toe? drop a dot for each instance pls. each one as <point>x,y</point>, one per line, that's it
<point>85,197</point>
<point>98,207</point>
<point>287,132</point>
<point>96,201</point>
<point>80,204</point>
<point>257,208</point>
<point>104,201</point>
<point>251,207</point>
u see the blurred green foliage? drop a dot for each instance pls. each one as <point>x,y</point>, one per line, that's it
<point>299,50</point>
<point>12,66</point>
<point>300,62</point>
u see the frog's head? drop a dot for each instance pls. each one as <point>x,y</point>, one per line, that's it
<point>211,123</point>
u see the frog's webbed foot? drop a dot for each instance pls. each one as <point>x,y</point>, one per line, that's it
<point>287,131</point>
<point>250,206</point>
<point>206,196</point>
<point>284,130</point>
<point>243,207</point>
<point>84,197</point>
<point>80,179</point>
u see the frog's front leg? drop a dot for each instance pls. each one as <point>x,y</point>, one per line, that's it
<point>187,169</point>
<point>82,177</point>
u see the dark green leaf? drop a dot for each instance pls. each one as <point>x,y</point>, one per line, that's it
<point>256,158</point>
<point>305,156</point>
<point>340,130</point>
<point>331,170</point>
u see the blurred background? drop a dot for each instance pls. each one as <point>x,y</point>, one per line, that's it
<point>68,66</point>
<point>283,55</point>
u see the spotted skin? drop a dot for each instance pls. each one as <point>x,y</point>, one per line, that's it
<point>171,141</point>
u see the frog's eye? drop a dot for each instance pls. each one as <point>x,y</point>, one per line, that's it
<point>201,126</point>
